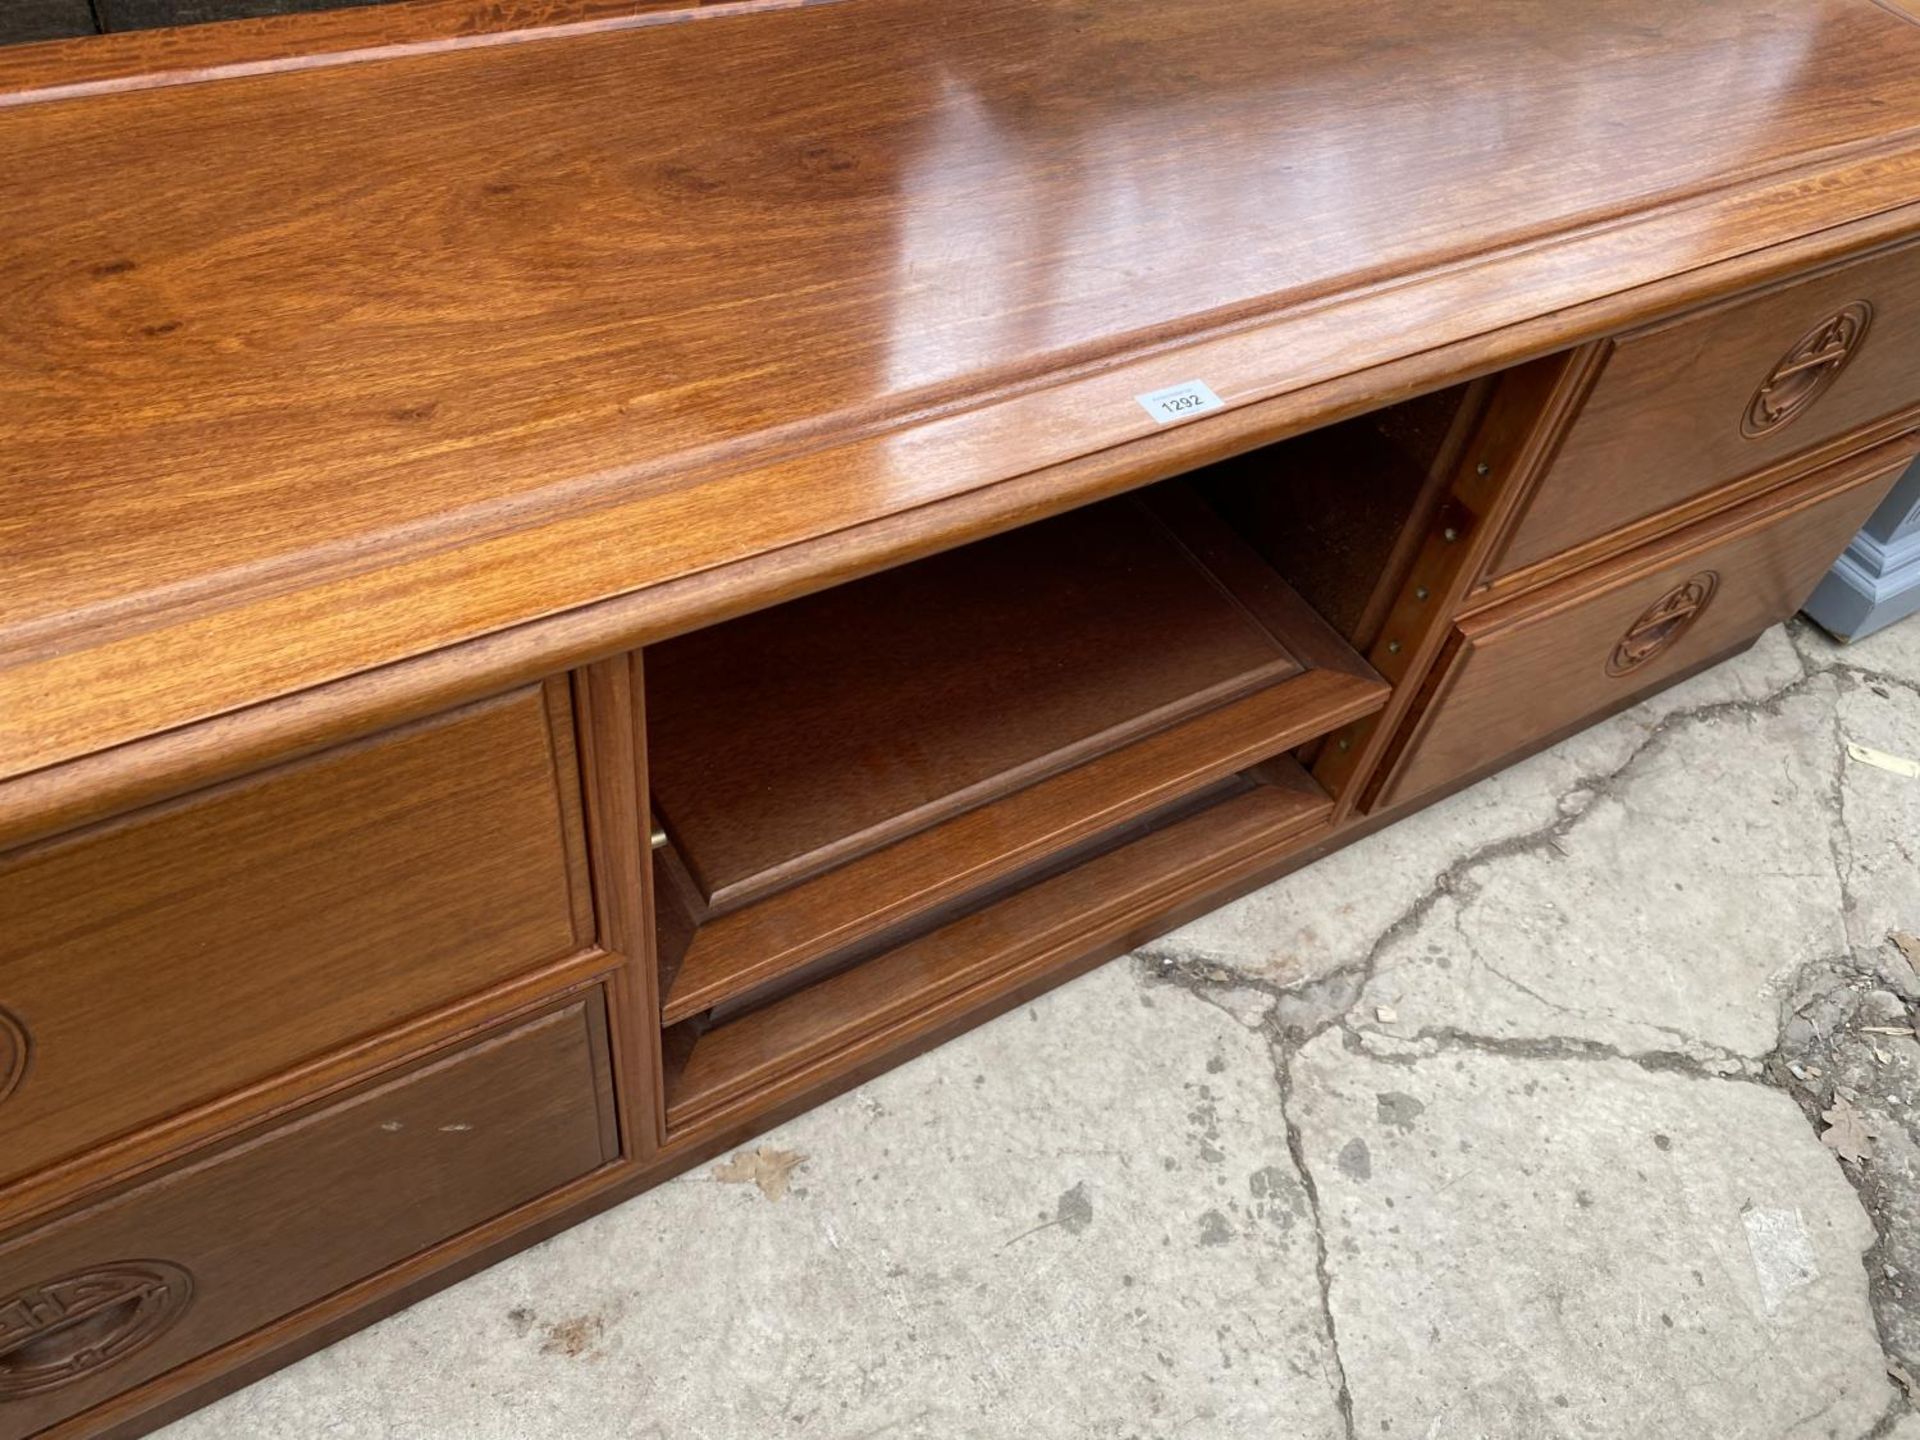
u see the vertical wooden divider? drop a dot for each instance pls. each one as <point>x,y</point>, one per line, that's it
<point>610,708</point>
<point>1512,444</point>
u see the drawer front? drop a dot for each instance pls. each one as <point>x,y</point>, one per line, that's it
<point>1684,407</point>
<point>170,957</point>
<point>95,1304</point>
<point>1526,671</point>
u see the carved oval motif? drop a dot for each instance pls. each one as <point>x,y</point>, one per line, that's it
<point>1664,622</point>
<point>64,1330</point>
<point>1805,371</point>
<point>13,1053</point>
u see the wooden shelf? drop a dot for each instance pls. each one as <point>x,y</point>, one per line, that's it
<point>904,745</point>
<point>806,735</point>
<point>1092,909</point>
<point>740,951</point>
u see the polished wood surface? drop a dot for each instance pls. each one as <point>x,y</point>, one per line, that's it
<point>611,708</point>
<point>733,953</point>
<point>246,1236</point>
<point>486,497</point>
<point>164,960</point>
<point>1509,438</point>
<point>1334,510</point>
<point>814,732</point>
<point>840,1020</point>
<point>1540,663</point>
<point>358,368</point>
<point>193,54</point>
<point>1666,419</point>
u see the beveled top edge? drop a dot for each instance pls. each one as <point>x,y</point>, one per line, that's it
<point>81,67</point>
<point>1371,317</point>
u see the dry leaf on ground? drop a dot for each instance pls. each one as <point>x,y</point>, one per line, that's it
<point>1847,1134</point>
<point>770,1169</point>
<point>1909,946</point>
<point>574,1337</point>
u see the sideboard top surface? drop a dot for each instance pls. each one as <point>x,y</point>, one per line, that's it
<point>310,368</point>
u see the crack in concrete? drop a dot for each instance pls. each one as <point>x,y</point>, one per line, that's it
<point>1811,1089</point>
<point>1443,1039</point>
<point>1207,981</point>
<point>1204,979</point>
<point>1843,970</point>
<point>1897,1409</point>
<point>1455,879</point>
<point>1839,838</point>
<point>1322,1268</point>
<point>1547,1002</point>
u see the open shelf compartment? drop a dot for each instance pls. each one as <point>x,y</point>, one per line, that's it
<point>1098,905</point>
<point>883,808</point>
<point>832,768</point>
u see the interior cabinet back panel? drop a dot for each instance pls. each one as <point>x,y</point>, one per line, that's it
<point>803,735</point>
<point>202,1256</point>
<point>1686,406</point>
<point>160,961</point>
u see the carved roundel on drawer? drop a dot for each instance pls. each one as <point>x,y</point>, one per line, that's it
<point>1805,371</point>
<point>14,1049</point>
<point>63,1330</point>
<point>1663,623</point>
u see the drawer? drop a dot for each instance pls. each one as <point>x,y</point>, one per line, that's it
<point>173,956</point>
<point>1686,406</point>
<point>98,1302</point>
<point>1519,674</point>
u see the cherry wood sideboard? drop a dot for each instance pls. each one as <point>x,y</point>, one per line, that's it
<point>575,579</point>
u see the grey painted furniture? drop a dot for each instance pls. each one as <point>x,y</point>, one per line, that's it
<point>1877,580</point>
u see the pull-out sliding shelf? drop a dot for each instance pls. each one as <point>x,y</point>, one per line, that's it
<point>1095,908</point>
<point>893,792</point>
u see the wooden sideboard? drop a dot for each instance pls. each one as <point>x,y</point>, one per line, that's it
<point>575,579</point>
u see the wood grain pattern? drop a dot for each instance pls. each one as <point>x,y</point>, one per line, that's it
<point>420,366</point>
<point>734,953</point>
<point>1332,510</point>
<point>809,734</point>
<point>454,408</point>
<point>401,1167</point>
<point>1664,421</point>
<point>142,59</point>
<point>758,1059</point>
<point>1508,440</point>
<point>1492,590</point>
<point>1542,662</point>
<point>612,712</point>
<point>160,961</point>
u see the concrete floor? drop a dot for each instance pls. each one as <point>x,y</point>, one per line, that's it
<point>1507,1122</point>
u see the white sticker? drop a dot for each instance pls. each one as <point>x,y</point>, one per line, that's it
<point>1177,402</point>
